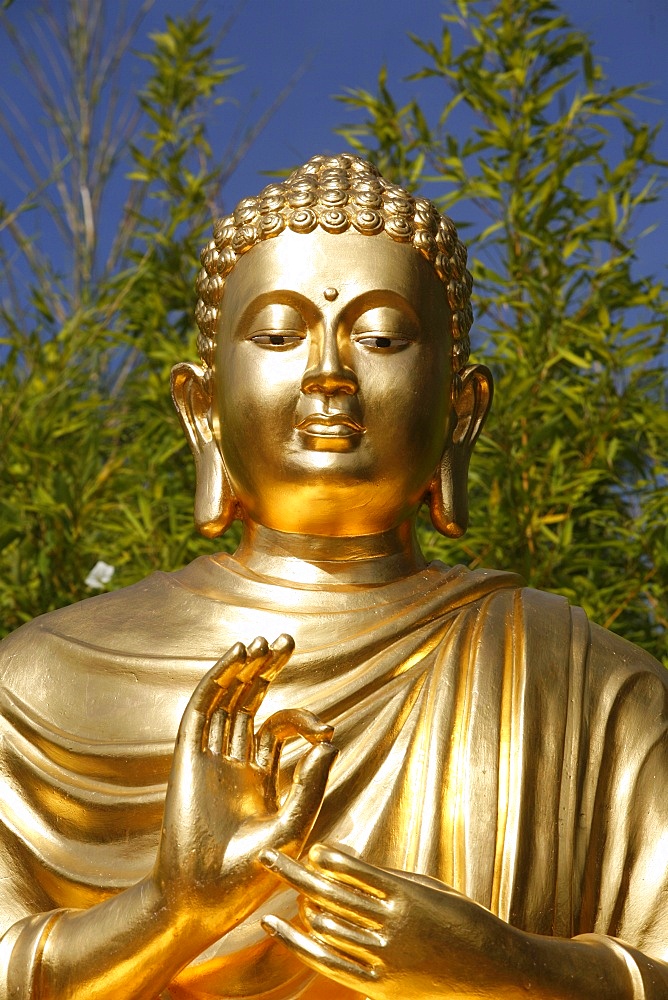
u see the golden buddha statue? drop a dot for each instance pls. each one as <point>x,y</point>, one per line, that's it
<point>454,787</point>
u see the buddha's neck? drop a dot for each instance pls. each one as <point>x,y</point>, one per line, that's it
<point>326,561</point>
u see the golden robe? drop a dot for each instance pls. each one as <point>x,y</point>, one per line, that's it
<point>491,738</point>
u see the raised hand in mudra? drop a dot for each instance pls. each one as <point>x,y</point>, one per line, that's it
<point>222,805</point>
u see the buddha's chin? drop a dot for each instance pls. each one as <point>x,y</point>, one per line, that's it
<point>323,513</point>
<point>338,486</point>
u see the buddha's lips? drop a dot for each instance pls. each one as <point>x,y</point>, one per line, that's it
<point>330,424</point>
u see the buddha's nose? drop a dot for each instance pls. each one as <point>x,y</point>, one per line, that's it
<point>327,373</point>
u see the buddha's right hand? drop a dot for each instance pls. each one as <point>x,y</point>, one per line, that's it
<point>222,806</point>
<point>222,809</point>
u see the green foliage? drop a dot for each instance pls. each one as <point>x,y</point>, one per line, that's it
<point>570,483</point>
<point>94,465</point>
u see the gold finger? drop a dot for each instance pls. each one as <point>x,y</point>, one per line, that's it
<point>337,864</point>
<point>282,648</point>
<point>259,673</point>
<point>344,935</point>
<point>194,727</point>
<point>285,725</point>
<point>318,956</point>
<point>228,666</point>
<point>240,744</point>
<point>327,893</point>
<point>217,724</point>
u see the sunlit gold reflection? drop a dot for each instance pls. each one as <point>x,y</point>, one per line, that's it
<point>424,782</point>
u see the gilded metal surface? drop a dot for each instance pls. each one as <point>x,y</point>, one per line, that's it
<point>337,194</point>
<point>435,783</point>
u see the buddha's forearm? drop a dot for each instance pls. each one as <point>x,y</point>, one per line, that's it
<point>592,966</point>
<point>130,946</point>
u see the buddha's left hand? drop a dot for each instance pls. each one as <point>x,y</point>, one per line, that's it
<point>390,934</point>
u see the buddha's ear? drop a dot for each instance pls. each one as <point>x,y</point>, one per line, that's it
<point>472,390</point>
<point>215,505</point>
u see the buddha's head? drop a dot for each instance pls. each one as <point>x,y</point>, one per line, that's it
<point>333,396</point>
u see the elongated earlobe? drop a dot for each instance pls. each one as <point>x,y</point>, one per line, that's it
<point>448,515</point>
<point>215,503</point>
<point>472,391</point>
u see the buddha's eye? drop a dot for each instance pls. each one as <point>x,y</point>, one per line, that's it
<point>277,341</point>
<point>382,342</point>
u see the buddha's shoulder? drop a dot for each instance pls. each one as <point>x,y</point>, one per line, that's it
<point>611,661</point>
<point>163,615</point>
<point>619,671</point>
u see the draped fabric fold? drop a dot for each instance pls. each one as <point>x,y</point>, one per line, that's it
<point>490,738</point>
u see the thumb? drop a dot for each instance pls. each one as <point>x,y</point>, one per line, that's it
<point>300,809</point>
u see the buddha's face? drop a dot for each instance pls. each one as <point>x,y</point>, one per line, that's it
<point>332,382</point>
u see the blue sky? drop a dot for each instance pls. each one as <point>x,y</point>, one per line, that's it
<point>351,39</point>
<point>343,44</point>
